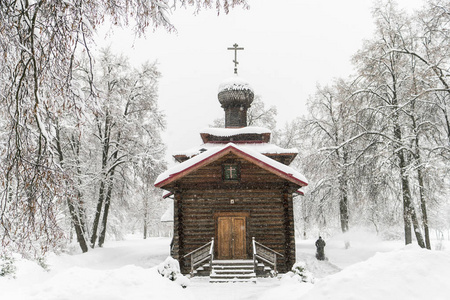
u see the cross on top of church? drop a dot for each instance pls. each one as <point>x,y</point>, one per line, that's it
<point>235,48</point>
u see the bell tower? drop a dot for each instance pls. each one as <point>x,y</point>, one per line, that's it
<point>235,95</point>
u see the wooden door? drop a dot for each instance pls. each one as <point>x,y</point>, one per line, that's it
<point>231,243</point>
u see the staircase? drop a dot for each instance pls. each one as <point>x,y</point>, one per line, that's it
<point>202,263</point>
<point>224,271</point>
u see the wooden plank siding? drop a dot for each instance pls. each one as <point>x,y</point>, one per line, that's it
<point>265,198</point>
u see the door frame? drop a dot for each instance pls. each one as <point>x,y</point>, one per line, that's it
<point>241,214</point>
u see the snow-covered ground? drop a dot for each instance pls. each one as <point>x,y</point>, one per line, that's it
<point>369,269</point>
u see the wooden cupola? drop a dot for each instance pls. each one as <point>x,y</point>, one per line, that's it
<point>235,96</point>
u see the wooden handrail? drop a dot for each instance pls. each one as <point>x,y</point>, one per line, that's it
<point>270,260</point>
<point>268,249</point>
<point>198,249</point>
<point>199,255</point>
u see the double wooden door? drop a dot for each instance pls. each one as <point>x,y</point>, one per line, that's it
<point>231,242</point>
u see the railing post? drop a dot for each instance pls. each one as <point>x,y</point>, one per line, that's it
<point>200,254</point>
<point>192,265</point>
<point>212,253</point>
<point>275,263</point>
<point>254,254</point>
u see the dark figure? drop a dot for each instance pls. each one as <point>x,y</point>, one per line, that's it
<point>320,245</point>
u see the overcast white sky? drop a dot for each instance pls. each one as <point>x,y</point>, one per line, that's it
<point>290,47</point>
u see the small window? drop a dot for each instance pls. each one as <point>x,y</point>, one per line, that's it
<point>231,172</point>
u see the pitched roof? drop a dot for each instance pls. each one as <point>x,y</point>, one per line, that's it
<point>212,154</point>
<point>228,132</point>
<point>263,148</point>
<point>237,135</point>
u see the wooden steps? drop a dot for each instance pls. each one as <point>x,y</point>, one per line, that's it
<point>224,271</point>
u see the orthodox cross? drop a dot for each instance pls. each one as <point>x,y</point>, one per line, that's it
<point>230,172</point>
<point>235,48</point>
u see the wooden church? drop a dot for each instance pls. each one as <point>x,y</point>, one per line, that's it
<point>233,197</point>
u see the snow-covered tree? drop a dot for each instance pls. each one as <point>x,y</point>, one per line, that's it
<point>386,133</point>
<point>126,125</point>
<point>40,42</point>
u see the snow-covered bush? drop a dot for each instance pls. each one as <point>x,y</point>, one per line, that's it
<point>170,269</point>
<point>41,261</point>
<point>300,273</point>
<point>7,267</point>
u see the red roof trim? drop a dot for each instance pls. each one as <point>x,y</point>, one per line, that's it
<point>221,153</point>
<point>301,193</point>
<point>167,195</point>
<point>227,138</point>
<point>193,167</point>
<point>237,142</point>
<point>272,168</point>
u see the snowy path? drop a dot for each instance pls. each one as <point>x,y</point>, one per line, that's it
<point>371,269</point>
<point>133,251</point>
<point>202,289</point>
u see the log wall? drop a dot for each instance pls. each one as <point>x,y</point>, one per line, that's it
<point>265,198</point>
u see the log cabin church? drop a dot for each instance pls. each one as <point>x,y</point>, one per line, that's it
<point>233,197</point>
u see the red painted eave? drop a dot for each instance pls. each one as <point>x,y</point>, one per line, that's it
<point>301,193</point>
<point>298,181</point>
<point>192,168</point>
<point>223,152</point>
<point>167,195</point>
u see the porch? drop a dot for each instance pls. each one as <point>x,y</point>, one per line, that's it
<point>203,263</point>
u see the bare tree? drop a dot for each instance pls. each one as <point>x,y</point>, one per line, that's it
<point>40,41</point>
<point>127,125</point>
<point>387,82</point>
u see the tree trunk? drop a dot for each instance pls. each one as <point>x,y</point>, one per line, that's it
<point>74,212</point>
<point>406,211</point>
<point>416,226</point>
<point>145,218</point>
<point>417,156</point>
<point>447,123</point>
<point>81,209</point>
<point>409,213</point>
<point>343,195</point>
<point>423,201</point>
<point>78,225</point>
<point>423,206</point>
<point>101,239</point>
<point>101,196</point>
<point>343,206</point>
<point>406,196</point>
<point>108,195</point>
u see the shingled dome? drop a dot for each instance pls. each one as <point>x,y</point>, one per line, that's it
<point>235,96</point>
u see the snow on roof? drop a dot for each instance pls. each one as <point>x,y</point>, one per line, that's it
<point>264,148</point>
<point>196,162</point>
<point>186,164</point>
<point>227,132</point>
<point>166,194</point>
<point>234,83</point>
